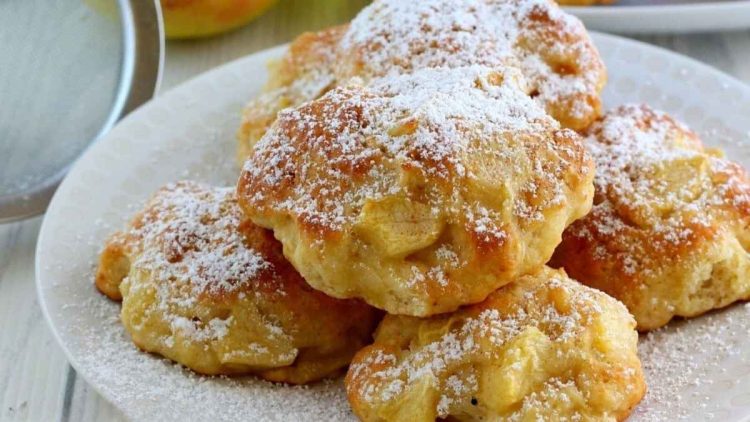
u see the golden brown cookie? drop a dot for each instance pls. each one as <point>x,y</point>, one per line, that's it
<point>418,193</point>
<point>205,289</point>
<point>553,50</point>
<point>304,73</point>
<point>670,228</point>
<point>544,348</point>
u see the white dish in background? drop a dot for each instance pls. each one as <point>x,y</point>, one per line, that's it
<point>665,16</point>
<point>694,369</point>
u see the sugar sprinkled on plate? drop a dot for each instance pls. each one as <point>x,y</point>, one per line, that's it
<point>683,357</point>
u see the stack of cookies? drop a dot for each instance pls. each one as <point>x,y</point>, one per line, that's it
<point>414,187</point>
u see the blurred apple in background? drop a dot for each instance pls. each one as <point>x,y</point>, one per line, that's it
<point>200,18</point>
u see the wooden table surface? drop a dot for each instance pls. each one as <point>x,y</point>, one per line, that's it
<point>36,381</point>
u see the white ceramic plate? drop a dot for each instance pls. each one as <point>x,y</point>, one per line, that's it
<point>693,369</point>
<point>666,16</point>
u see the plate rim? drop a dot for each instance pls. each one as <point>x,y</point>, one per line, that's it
<point>265,55</point>
<point>685,18</point>
<point>657,9</point>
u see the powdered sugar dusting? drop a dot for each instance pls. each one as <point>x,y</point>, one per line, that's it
<point>430,120</point>
<point>685,360</point>
<point>311,59</point>
<point>188,239</point>
<point>393,36</point>
<point>400,37</point>
<point>189,232</point>
<point>637,150</point>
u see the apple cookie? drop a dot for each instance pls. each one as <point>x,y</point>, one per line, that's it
<point>670,228</point>
<point>201,286</point>
<point>418,193</point>
<point>544,348</point>
<point>551,48</point>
